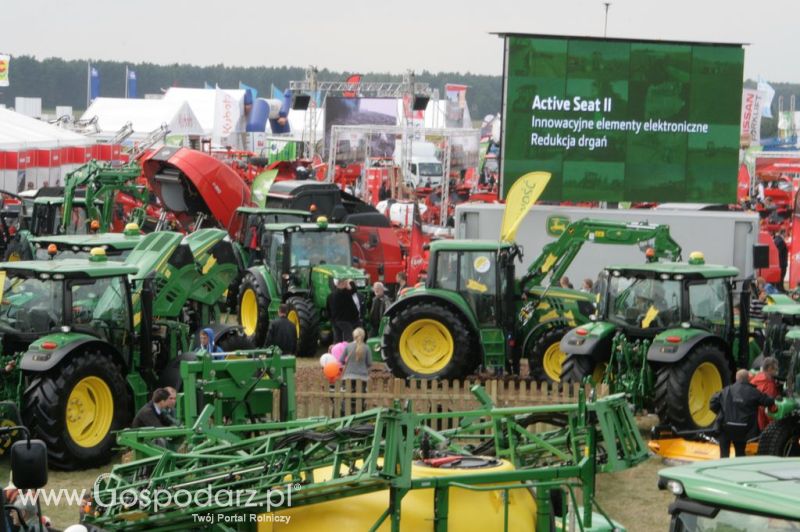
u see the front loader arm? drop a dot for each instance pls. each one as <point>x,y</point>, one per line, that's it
<point>557,256</point>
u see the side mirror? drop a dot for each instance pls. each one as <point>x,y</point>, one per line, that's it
<point>29,464</point>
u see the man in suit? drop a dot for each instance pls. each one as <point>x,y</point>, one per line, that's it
<point>283,332</point>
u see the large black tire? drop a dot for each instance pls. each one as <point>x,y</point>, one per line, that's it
<point>405,350</point>
<point>307,319</point>
<point>672,400</point>
<point>781,438</point>
<point>253,309</point>
<point>234,340</point>
<point>544,355</point>
<point>576,367</point>
<point>47,406</point>
<point>16,250</point>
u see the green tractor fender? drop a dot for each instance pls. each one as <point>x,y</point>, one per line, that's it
<point>672,345</point>
<point>539,329</point>
<point>51,350</point>
<point>590,339</point>
<point>266,281</point>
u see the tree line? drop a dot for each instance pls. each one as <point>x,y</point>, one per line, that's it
<point>61,82</point>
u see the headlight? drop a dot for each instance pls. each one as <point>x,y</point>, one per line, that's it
<point>675,487</point>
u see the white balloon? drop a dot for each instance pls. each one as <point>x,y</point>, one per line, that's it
<point>326,359</point>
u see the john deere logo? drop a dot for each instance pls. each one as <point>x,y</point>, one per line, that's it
<point>557,225</point>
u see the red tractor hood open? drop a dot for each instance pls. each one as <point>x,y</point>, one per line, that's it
<point>189,182</point>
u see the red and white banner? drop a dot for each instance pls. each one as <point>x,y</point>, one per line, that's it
<point>751,117</point>
<point>227,113</point>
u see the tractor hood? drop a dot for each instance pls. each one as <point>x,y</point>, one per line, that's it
<point>189,182</point>
<point>339,271</point>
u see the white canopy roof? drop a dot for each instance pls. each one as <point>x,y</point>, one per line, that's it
<point>144,115</point>
<point>20,132</point>
<point>203,103</point>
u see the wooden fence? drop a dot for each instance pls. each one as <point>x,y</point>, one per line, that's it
<point>316,397</point>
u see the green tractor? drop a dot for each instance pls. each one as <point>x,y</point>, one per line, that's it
<point>782,341</point>
<point>473,311</point>
<point>297,264</point>
<point>85,341</point>
<point>750,493</point>
<point>86,204</point>
<point>665,334</point>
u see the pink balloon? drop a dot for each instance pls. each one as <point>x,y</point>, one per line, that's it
<point>338,351</point>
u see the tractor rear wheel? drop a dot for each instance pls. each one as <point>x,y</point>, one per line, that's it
<point>683,389</point>
<point>781,438</point>
<point>430,341</point>
<point>253,309</point>
<point>306,320</point>
<point>75,409</point>
<point>545,357</point>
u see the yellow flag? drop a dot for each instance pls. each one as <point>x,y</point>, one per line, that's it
<point>521,197</point>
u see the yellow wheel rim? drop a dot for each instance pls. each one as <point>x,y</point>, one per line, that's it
<point>248,312</point>
<point>426,346</point>
<point>292,316</point>
<point>90,411</point>
<point>706,381</point>
<point>552,361</point>
<point>14,257</point>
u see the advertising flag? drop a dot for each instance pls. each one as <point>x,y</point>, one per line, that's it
<point>276,93</point>
<point>94,84</point>
<point>355,79</point>
<point>521,197</point>
<point>131,84</point>
<point>769,93</point>
<point>456,104</point>
<point>5,63</point>
<point>751,117</point>
<point>227,113</point>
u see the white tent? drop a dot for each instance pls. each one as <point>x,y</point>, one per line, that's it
<point>19,132</point>
<point>144,115</point>
<point>32,151</point>
<point>203,104</point>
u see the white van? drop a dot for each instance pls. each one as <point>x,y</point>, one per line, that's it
<point>424,169</point>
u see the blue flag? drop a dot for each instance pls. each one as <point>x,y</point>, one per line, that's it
<point>131,84</point>
<point>207,85</point>
<point>276,93</point>
<point>251,94</point>
<point>94,83</point>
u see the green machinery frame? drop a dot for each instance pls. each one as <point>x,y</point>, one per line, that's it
<point>374,451</point>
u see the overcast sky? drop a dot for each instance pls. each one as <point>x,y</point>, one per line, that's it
<point>378,35</point>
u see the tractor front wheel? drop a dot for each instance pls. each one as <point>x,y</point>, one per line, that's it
<point>75,409</point>
<point>306,320</point>
<point>430,341</point>
<point>684,389</point>
<point>253,309</point>
<point>781,438</point>
<point>545,357</point>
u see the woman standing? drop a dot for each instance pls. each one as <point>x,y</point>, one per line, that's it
<point>357,362</point>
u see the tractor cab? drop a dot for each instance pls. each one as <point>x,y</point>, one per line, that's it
<point>647,299</point>
<point>303,254</point>
<point>482,274</point>
<point>252,223</point>
<point>47,215</point>
<point>44,302</point>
